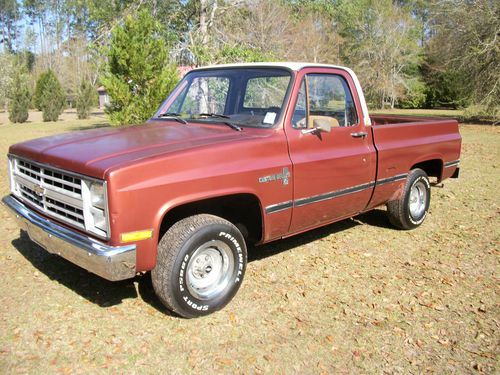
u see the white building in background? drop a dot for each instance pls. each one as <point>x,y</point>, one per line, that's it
<point>103,97</point>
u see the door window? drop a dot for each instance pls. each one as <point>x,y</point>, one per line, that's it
<point>299,119</point>
<point>328,99</point>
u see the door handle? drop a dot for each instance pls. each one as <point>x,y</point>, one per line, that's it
<point>359,134</point>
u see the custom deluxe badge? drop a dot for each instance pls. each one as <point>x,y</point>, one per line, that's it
<point>283,176</point>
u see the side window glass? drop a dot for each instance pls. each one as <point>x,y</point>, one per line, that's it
<point>299,119</point>
<point>329,99</point>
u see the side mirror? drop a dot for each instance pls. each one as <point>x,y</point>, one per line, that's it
<point>319,125</point>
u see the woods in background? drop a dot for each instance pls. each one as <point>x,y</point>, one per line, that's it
<point>407,53</point>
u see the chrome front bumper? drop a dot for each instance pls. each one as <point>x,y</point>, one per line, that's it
<point>109,262</point>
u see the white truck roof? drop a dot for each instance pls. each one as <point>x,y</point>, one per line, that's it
<point>296,66</point>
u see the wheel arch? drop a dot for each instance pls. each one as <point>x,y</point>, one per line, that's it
<point>433,166</point>
<point>243,209</point>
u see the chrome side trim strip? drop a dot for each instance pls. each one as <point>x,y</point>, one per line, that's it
<point>452,163</point>
<point>110,262</point>
<point>279,207</point>
<point>332,194</point>
<point>388,180</point>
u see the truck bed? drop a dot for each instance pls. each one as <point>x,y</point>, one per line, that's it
<point>405,142</point>
<point>398,119</point>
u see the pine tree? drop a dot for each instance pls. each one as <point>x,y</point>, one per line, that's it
<point>138,76</point>
<point>53,99</point>
<point>40,89</point>
<point>20,98</point>
<point>85,99</point>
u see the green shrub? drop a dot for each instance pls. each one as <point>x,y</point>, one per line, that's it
<point>447,89</point>
<point>20,98</point>
<point>415,95</point>
<point>482,113</point>
<point>53,98</point>
<point>85,99</point>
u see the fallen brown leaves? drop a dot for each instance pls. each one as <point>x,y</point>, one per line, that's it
<point>348,298</point>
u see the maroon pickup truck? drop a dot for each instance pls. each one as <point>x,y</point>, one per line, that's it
<point>236,155</point>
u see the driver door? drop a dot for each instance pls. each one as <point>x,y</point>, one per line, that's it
<point>332,152</point>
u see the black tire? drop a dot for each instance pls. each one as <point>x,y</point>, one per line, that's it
<point>405,213</point>
<point>198,250</point>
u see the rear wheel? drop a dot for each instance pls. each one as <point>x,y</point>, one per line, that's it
<point>410,210</point>
<point>200,265</point>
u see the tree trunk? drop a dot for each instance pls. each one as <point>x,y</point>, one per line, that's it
<point>208,9</point>
<point>203,21</point>
<point>3,38</point>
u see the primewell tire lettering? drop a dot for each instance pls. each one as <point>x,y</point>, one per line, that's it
<point>240,255</point>
<point>232,239</point>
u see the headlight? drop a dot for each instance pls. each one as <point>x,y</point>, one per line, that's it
<point>96,208</point>
<point>10,167</point>
<point>97,195</point>
<point>99,218</point>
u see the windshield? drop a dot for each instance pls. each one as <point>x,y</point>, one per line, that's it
<point>242,96</point>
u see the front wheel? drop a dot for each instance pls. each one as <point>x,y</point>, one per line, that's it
<point>200,265</point>
<point>410,210</point>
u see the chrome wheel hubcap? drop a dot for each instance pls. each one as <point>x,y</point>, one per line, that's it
<point>418,200</point>
<point>209,270</point>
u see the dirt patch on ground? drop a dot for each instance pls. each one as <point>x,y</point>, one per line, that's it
<point>354,297</point>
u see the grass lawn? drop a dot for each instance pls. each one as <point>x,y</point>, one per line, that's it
<point>354,297</point>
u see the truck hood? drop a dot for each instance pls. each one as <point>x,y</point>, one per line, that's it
<point>94,152</point>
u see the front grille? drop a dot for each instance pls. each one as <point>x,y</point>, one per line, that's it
<point>50,177</point>
<point>29,170</point>
<point>56,193</point>
<point>65,196</point>
<point>30,195</point>
<point>65,211</point>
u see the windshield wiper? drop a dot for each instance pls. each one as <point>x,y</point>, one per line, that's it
<point>232,126</point>
<point>215,115</point>
<point>173,115</point>
<point>212,115</point>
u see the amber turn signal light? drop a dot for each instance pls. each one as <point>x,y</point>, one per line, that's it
<point>136,236</point>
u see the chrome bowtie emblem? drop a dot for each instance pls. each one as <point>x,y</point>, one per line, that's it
<point>38,190</point>
<point>283,176</point>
